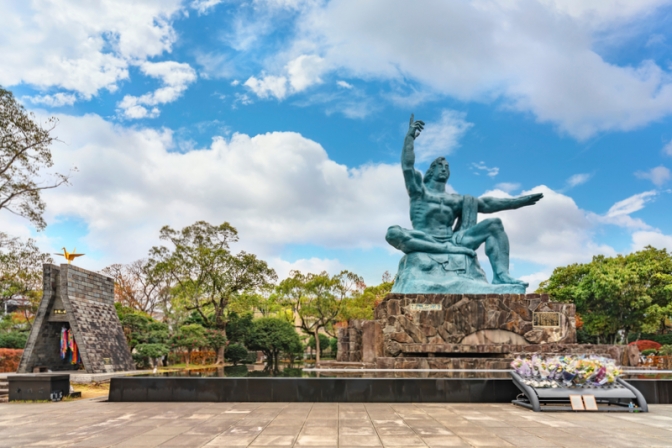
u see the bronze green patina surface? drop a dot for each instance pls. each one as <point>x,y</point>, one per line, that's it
<point>440,250</point>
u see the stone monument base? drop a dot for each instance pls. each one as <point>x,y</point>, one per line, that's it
<point>463,331</point>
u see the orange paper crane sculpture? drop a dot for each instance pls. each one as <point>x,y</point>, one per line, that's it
<point>70,255</point>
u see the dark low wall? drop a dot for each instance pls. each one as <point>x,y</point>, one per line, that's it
<point>342,390</point>
<point>655,391</point>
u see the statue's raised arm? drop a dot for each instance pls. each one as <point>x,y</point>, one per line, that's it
<point>412,177</point>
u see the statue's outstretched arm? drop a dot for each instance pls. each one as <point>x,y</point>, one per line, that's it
<point>412,177</point>
<point>492,205</point>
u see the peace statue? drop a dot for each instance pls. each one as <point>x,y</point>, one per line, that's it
<point>439,253</point>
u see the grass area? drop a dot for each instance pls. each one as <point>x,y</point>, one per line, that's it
<point>92,390</point>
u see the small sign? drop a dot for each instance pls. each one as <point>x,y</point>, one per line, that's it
<point>577,403</point>
<point>425,307</point>
<point>546,319</point>
<point>59,311</point>
<point>589,401</point>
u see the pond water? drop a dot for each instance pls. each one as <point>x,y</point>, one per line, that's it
<point>285,371</point>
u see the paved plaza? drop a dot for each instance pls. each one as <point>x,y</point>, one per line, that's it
<point>97,423</point>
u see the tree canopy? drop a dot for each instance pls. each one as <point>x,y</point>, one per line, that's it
<point>204,273</point>
<point>630,292</point>
<point>25,152</point>
<point>273,336</point>
<point>21,270</point>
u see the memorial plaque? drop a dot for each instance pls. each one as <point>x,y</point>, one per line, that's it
<point>546,319</point>
<point>425,307</point>
<point>59,311</point>
<point>576,402</point>
<point>591,404</point>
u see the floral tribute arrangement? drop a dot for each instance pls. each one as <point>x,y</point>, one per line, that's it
<point>566,371</point>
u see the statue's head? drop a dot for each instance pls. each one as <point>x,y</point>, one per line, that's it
<point>439,171</point>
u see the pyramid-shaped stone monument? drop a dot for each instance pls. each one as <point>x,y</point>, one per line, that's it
<point>80,302</point>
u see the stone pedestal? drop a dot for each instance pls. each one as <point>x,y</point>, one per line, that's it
<point>461,331</point>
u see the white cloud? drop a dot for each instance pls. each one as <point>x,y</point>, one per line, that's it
<point>508,187</point>
<point>658,175</point>
<point>667,149</point>
<point>204,6</point>
<point>215,66</point>
<point>441,137</point>
<point>344,84</point>
<point>55,100</point>
<point>175,78</point>
<point>535,279</point>
<point>653,238</point>
<point>268,86</point>
<point>305,265</point>
<point>81,46</point>
<point>480,166</point>
<point>577,179</point>
<point>300,73</point>
<point>277,189</point>
<point>553,232</point>
<point>305,71</point>
<point>537,55</point>
<point>619,213</point>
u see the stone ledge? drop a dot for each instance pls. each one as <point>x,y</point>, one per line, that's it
<point>504,348</point>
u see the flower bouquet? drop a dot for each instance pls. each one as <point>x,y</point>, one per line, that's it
<point>568,371</point>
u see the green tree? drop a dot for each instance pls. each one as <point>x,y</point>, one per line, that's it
<point>140,328</point>
<point>21,272</point>
<point>239,327</point>
<point>152,352</point>
<point>631,292</point>
<point>273,336</point>
<point>25,152</point>
<point>333,346</point>
<point>317,299</point>
<point>190,337</point>
<point>236,353</point>
<point>324,342</point>
<point>137,286</point>
<point>361,306</point>
<point>204,272</point>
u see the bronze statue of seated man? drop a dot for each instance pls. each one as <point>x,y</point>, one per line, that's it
<point>435,211</point>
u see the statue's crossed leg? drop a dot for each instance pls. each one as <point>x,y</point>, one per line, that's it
<point>489,231</point>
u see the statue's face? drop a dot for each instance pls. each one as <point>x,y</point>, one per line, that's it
<point>441,172</point>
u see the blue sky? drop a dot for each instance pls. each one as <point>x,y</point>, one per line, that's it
<point>286,119</point>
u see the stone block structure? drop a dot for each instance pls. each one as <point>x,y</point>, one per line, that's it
<point>82,301</point>
<point>465,331</point>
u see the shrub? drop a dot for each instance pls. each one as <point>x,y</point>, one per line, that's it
<point>645,344</point>
<point>149,352</point>
<point>324,342</point>
<point>273,336</point>
<point>664,339</point>
<point>14,339</point>
<point>333,346</point>
<point>9,359</point>
<point>235,353</point>
<point>665,350</point>
<point>649,351</point>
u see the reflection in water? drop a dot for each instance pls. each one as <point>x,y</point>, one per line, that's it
<point>256,370</point>
<point>292,372</point>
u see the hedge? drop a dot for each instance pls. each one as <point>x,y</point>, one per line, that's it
<point>9,359</point>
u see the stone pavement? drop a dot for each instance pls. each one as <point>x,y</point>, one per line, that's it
<point>96,423</point>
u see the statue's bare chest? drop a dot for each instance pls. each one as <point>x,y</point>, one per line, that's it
<point>443,202</point>
<point>438,208</point>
